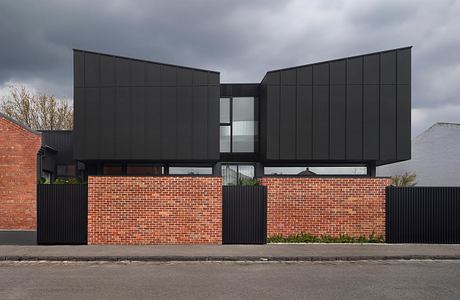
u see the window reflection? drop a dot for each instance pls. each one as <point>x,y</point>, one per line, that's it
<point>190,170</point>
<point>235,174</point>
<point>244,124</point>
<point>224,110</point>
<point>225,139</point>
<point>323,170</point>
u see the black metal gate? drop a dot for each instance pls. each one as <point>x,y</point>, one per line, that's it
<point>62,214</point>
<point>423,215</point>
<point>244,214</point>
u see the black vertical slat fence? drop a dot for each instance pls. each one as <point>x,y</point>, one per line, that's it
<point>62,214</point>
<point>423,215</point>
<point>244,214</point>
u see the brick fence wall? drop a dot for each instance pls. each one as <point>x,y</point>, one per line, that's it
<point>325,206</point>
<point>155,210</point>
<point>18,176</point>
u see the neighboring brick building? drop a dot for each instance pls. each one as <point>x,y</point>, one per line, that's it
<point>154,210</point>
<point>325,206</point>
<point>19,146</point>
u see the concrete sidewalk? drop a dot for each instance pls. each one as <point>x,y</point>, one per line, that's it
<point>270,252</point>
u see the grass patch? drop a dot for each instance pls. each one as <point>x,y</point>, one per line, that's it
<point>309,238</point>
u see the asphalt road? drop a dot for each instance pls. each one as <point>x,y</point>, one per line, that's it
<point>230,280</point>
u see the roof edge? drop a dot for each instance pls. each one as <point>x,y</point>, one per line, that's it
<point>20,124</point>
<point>337,59</point>
<point>143,60</point>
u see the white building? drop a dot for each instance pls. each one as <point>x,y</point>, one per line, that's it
<point>435,157</point>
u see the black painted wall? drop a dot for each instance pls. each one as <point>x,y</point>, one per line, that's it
<point>351,109</point>
<point>128,109</point>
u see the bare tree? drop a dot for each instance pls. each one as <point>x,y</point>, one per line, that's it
<point>38,111</point>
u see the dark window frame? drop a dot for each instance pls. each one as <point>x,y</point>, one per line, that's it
<point>238,164</point>
<point>230,124</point>
<point>318,165</point>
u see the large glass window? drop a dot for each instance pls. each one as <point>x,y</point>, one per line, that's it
<point>143,169</point>
<point>244,124</point>
<point>326,170</point>
<point>238,124</point>
<point>225,110</point>
<point>225,139</point>
<point>236,174</point>
<point>190,170</point>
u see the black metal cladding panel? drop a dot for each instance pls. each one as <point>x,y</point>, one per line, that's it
<point>62,214</point>
<point>354,70</point>
<point>288,77</point>
<point>404,66</point>
<point>338,72</point>
<point>272,123</point>
<point>321,74</point>
<point>62,141</point>
<point>403,123</point>
<point>321,122</point>
<point>388,122</point>
<point>305,75</point>
<point>372,69</point>
<point>338,125</point>
<point>304,117</point>
<point>288,121</point>
<point>354,122</point>
<point>371,122</point>
<point>239,90</point>
<point>360,109</point>
<point>129,109</point>
<point>423,215</point>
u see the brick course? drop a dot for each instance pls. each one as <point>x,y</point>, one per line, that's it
<point>325,206</point>
<point>154,210</point>
<point>18,182</point>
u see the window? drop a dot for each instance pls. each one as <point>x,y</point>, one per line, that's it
<point>238,125</point>
<point>361,170</point>
<point>225,138</point>
<point>143,169</point>
<point>234,174</point>
<point>317,170</point>
<point>113,169</point>
<point>66,171</point>
<point>284,170</point>
<point>243,124</point>
<point>190,170</point>
<point>225,110</point>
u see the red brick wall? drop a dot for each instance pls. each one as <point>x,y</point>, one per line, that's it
<point>18,182</point>
<point>154,210</point>
<point>325,206</point>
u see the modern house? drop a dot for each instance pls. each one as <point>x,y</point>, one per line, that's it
<point>434,157</point>
<point>156,143</point>
<point>137,117</point>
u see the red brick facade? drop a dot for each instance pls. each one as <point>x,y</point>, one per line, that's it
<point>18,175</point>
<point>325,206</point>
<point>154,210</point>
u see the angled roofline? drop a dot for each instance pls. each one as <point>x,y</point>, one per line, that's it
<point>436,124</point>
<point>336,59</point>
<point>20,124</point>
<point>143,60</point>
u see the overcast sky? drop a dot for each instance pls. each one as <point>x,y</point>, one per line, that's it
<point>240,38</point>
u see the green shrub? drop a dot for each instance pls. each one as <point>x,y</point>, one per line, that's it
<point>248,181</point>
<point>44,180</point>
<point>309,238</point>
<point>71,180</point>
